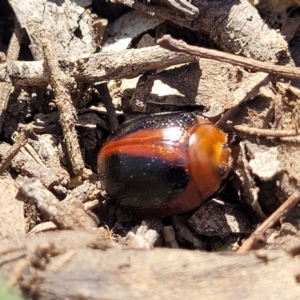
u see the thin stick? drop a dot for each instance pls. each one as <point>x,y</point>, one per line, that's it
<point>12,54</point>
<point>63,217</point>
<point>20,141</point>
<point>171,44</point>
<point>61,85</point>
<point>285,207</point>
<point>186,7</point>
<point>266,132</point>
<point>107,101</point>
<point>97,67</point>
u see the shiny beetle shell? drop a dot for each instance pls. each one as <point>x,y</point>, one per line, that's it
<point>163,164</point>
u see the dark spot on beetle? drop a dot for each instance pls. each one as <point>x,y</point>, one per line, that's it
<point>124,173</point>
<point>177,177</point>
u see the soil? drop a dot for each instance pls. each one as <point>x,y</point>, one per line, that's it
<point>71,72</point>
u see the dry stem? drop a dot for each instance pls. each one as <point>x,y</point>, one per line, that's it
<point>266,132</point>
<point>107,101</point>
<point>63,217</point>
<point>20,141</point>
<point>292,201</point>
<point>171,44</point>
<point>12,54</point>
<point>234,25</point>
<point>98,67</point>
<point>61,85</point>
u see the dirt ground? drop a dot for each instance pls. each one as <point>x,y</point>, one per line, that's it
<point>72,71</point>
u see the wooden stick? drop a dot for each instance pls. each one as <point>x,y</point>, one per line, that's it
<point>64,217</point>
<point>20,141</point>
<point>266,132</point>
<point>97,67</point>
<point>6,87</point>
<point>62,85</point>
<point>171,44</point>
<point>233,25</point>
<point>107,101</point>
<point>285,207</point>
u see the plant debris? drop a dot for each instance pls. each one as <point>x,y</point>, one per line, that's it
<point>72,71</point>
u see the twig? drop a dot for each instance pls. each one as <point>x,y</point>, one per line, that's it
<point>63,217</point>
<point>90,205</point>
<point>171,44</point>
<point>234,25</point>
<point>164,12</point>
<point>85,192</point>
<point>20,141</point>
<point>62,85</point>
<point>170,237</point>
<point>24,164</point>
<point>138,102</point>
<point>12,54</point>
<point>266,132</point>
<point>189,10</point>
<point>292,201</point>
<point>107,101</point>
<point>98,67</point>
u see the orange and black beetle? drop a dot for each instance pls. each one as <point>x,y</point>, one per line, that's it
<point>163,164</point>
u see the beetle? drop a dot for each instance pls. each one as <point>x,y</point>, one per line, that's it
<point>163,164</point>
